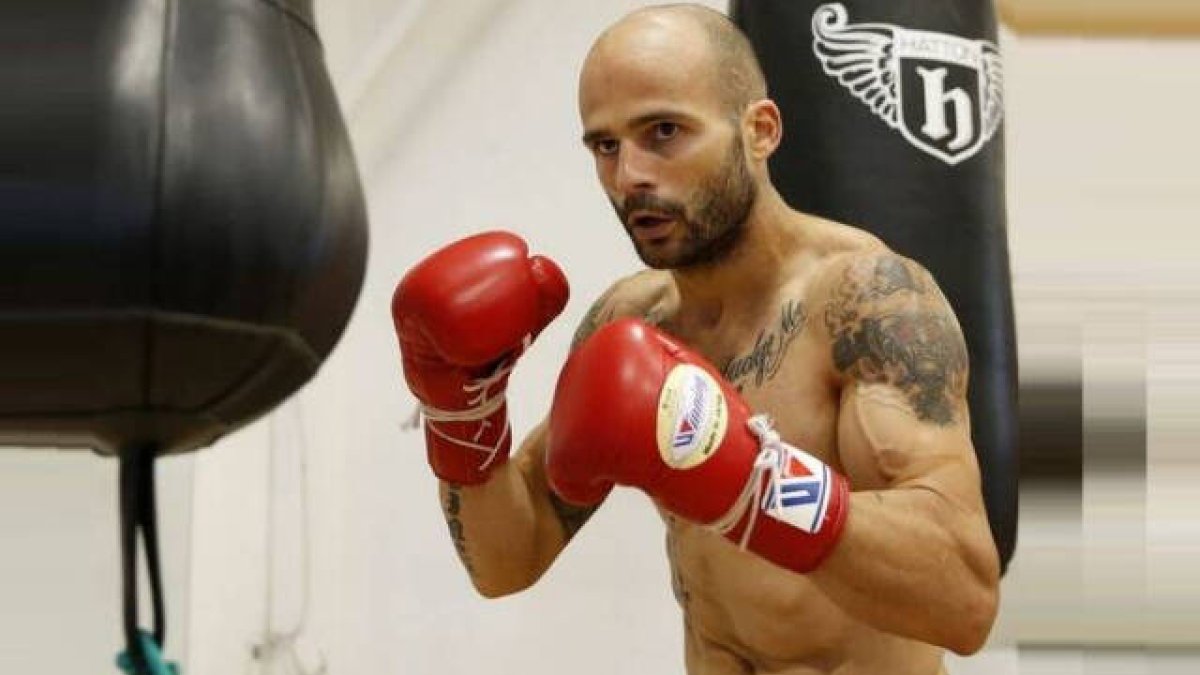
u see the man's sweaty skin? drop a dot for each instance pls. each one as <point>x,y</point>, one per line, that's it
<point>850,348</point>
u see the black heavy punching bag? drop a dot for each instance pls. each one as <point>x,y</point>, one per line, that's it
<point>892,122</point>
<point>182,231</point>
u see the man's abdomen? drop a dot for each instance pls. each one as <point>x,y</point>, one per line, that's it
<point>745,615</point>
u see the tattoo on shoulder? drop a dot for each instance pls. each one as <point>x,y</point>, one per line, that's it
<point>602,311</point>
<point>655,316</point>
<point>571,517</point>
<point>451,507</point>
<point>891,325</point>
<point>597,315</point>
<point>766,356</point>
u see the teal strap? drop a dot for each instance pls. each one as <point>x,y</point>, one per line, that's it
<point>155,665</point>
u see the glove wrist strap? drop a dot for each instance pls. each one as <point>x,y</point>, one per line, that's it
<point>483,405</point>
<point>798,497</point>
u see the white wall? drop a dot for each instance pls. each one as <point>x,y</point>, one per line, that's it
<point>1104,199</point>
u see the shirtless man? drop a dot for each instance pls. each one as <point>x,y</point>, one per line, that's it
<point>850,348</point>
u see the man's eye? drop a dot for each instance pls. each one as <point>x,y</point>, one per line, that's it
<point>665,131</point>
<point>605,146</point>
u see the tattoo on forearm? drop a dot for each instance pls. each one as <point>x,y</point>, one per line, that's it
<point>765,358</point>
<point>571,517</point>
<point>678,588</point>
<point>890,325</point>
<point>451,508</point>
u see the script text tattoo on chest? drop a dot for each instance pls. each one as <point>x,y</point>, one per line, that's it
<point>764,359</point>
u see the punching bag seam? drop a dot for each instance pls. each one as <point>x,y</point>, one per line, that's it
<point>300,78</point>
<point>279,335</point>
<point>297,16</point>
<point>171,19</point>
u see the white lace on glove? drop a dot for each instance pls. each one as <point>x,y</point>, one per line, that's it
<point>770,461</point>
<point>482,407</point>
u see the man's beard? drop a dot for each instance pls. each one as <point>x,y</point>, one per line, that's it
<point>713,219</point>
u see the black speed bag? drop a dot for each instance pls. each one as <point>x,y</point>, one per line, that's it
<point>182,230</point>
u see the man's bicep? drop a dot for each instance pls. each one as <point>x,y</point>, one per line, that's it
<point>902,359</point>
<point>623,298</point>
<point>883,443</point>
<point>889,324</point>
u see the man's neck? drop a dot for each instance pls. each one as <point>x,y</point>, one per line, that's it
<point>774,233</point>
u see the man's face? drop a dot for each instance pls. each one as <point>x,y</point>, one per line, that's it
<point>700,229</point>
<point>667,151</point>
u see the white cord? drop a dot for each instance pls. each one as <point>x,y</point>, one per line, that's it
<point>280,647</point>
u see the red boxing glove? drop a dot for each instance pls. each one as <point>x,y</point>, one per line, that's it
<point>634,407</point>
<point>463,316</point>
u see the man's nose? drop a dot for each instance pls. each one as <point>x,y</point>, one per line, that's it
<point>635,170</point>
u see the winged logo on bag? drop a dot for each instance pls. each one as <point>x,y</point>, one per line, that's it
<point>944,93</point>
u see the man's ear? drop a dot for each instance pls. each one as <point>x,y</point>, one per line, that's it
<point>763,128</point>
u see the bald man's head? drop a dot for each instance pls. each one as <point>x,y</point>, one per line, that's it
<point>726,55</point>
<point>672,102</point>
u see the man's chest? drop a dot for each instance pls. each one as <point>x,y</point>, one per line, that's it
<point>801,402</point>
<point>782,368</point>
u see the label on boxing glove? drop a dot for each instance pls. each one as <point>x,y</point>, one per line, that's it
<point>798,490</point>
<point>692,417</point>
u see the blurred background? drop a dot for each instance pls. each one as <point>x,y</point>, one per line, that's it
<point>313,537</point>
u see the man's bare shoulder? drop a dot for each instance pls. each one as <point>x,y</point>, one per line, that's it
<point>643,294</point>
<point>638,294</point>
<point>839,239</point>
<point>873,275</point>
<point>864,270</point>
<point>888,322</point>
<point>838,248</point>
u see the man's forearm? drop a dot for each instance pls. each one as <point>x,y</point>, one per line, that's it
<point>913,564</point>
<point>495,530</point>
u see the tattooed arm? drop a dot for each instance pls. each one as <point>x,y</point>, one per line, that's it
<point>509,530</point>
<point>917,557</point>
<point>505,530</point>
